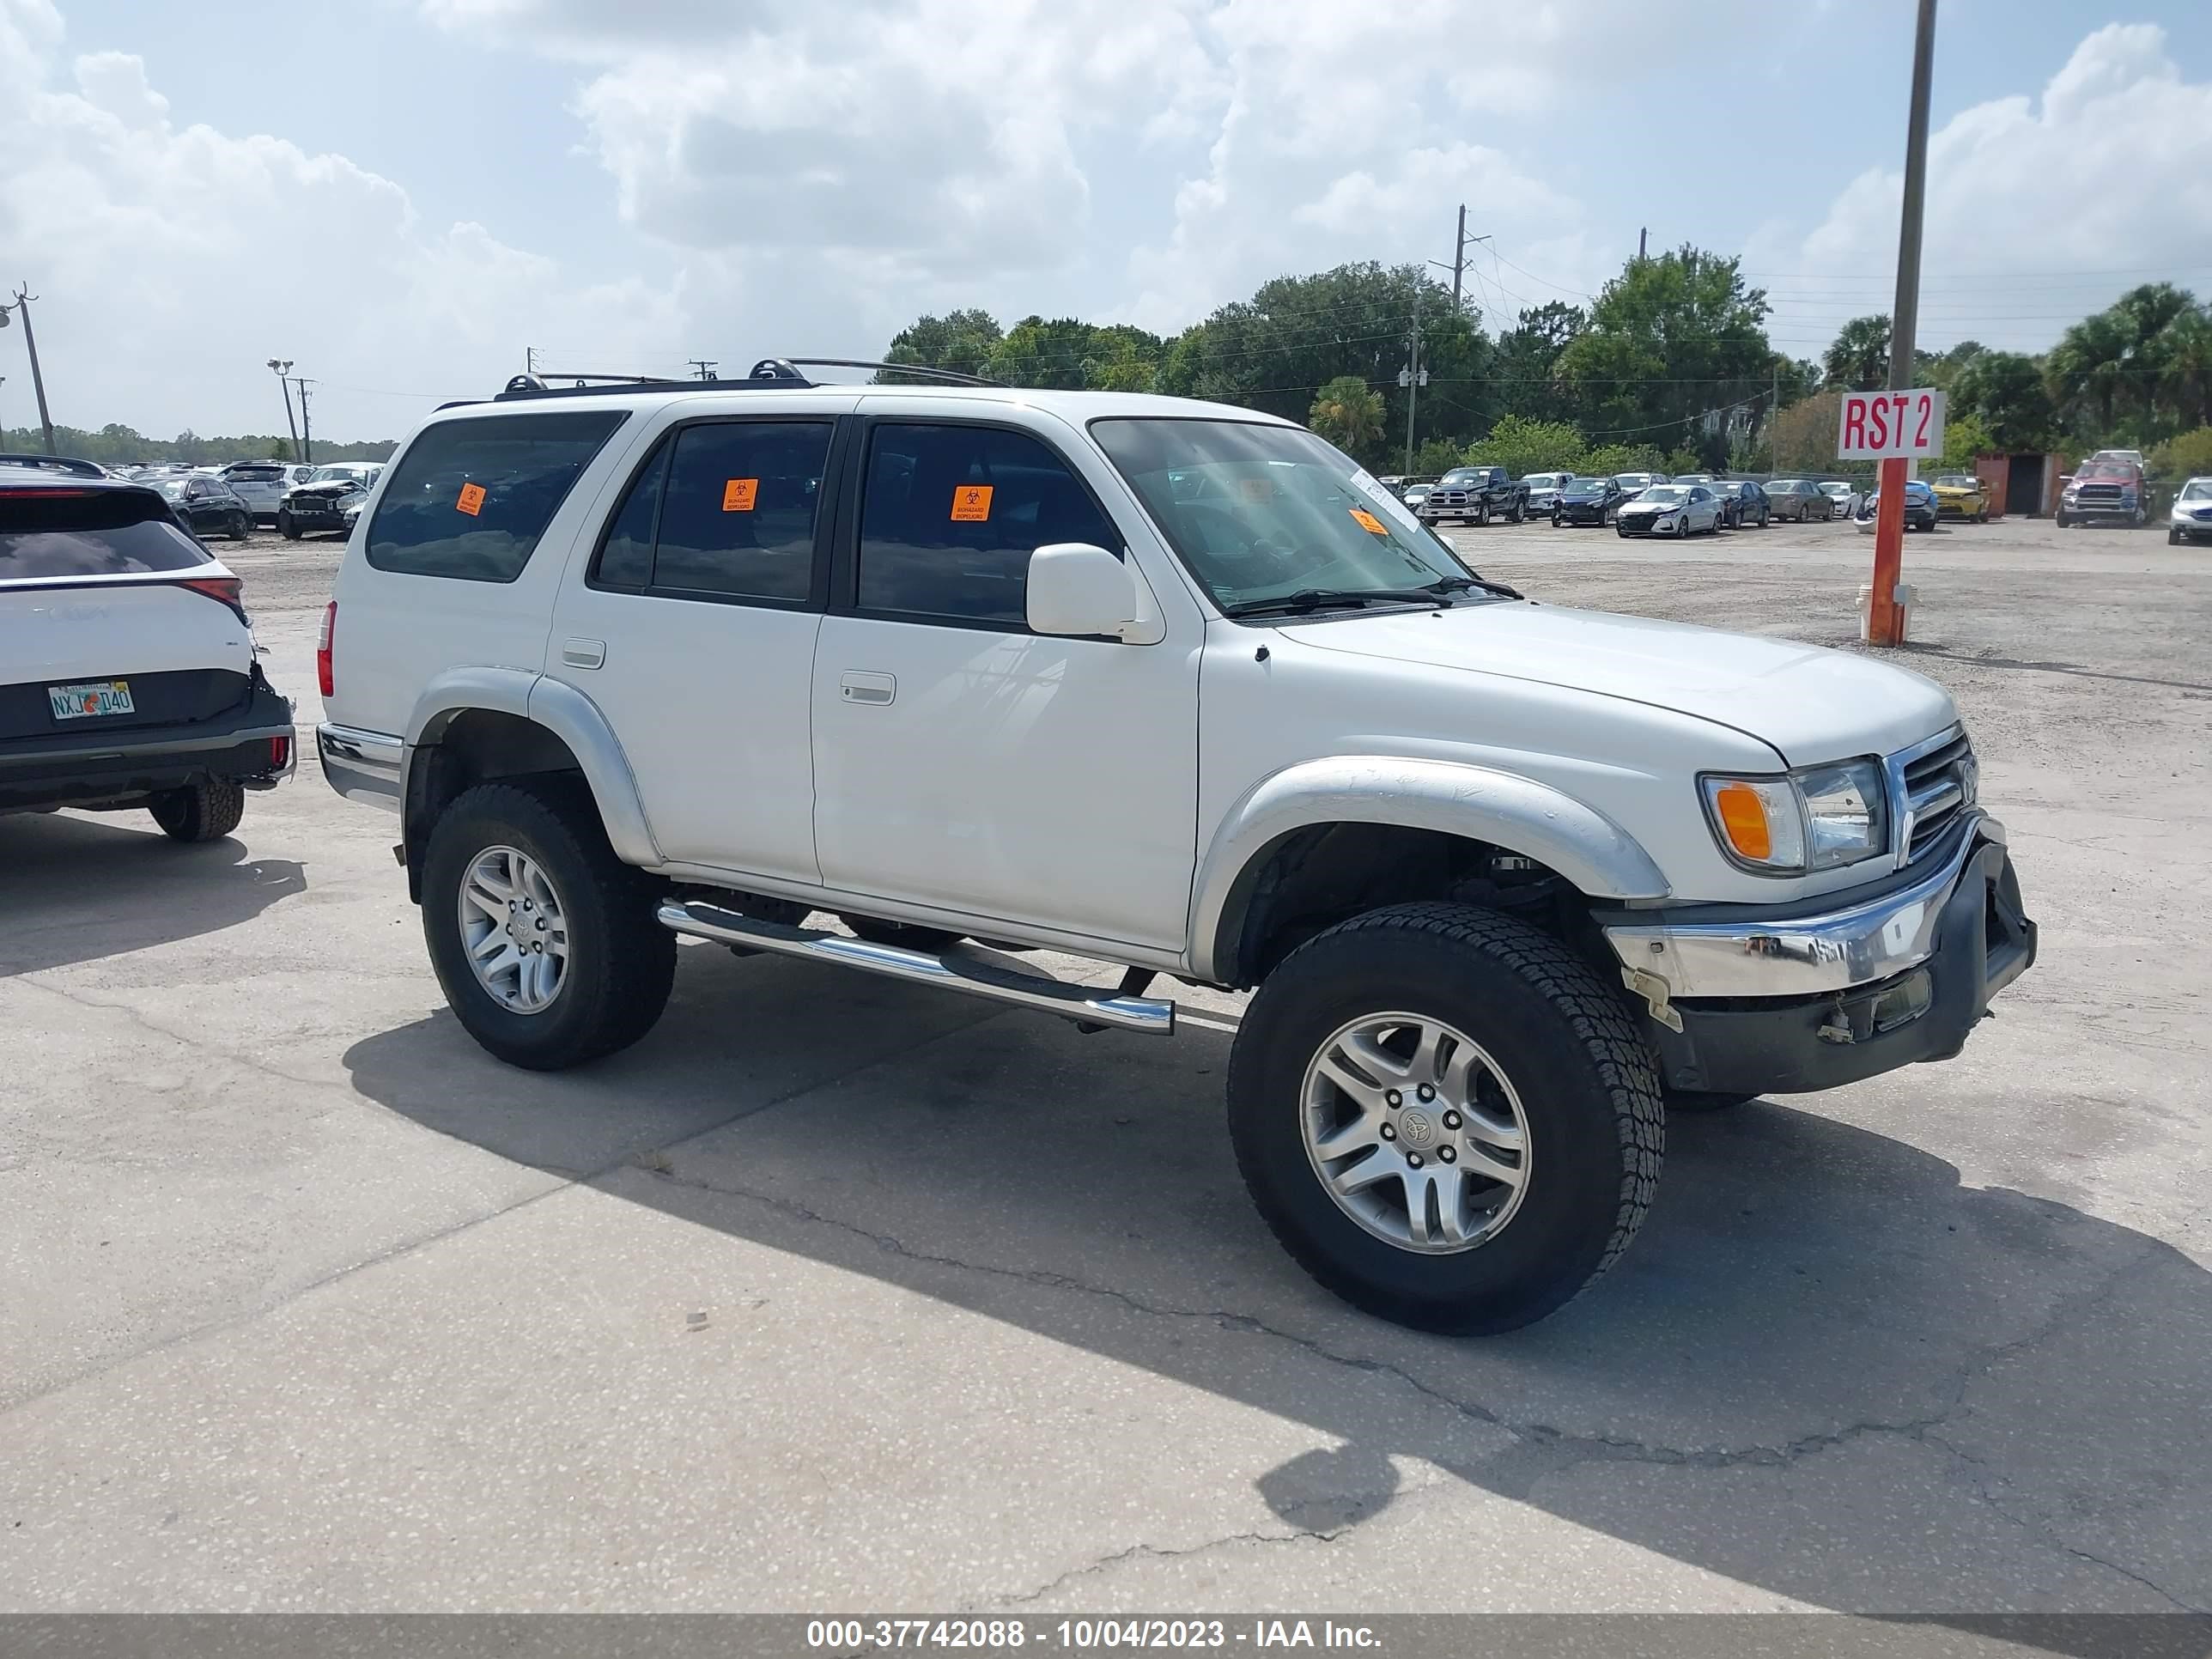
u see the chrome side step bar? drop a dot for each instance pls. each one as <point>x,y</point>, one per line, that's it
<point>965,967</point>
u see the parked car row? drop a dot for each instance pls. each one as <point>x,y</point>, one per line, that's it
<point>1476,494</point>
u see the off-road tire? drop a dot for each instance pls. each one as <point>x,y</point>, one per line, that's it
<point>207,811</point>
<point>1591,1098</point>
<point>622,961</point>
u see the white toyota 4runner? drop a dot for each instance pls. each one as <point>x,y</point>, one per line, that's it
<point>1173,686</point>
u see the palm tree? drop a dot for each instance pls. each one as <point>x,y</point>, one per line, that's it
<point>2089,366</point>
<point>1349,416</point>
<point>1859,359</point>
<point>2185,354</point>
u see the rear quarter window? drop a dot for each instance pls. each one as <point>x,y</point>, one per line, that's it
<point>118,532</point>
<point>470,497</point>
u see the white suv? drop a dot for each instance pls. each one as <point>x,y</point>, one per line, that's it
<point>1175,686</point>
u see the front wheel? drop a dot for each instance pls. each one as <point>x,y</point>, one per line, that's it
<point>2061,519</point>
<point>545,943</point>
<point>1482,515</point>
<point>2173,538</point>
<point>1513,514</point>
<point>286,528</point>
<point>1445,1117</point>
<point>1555,521</point>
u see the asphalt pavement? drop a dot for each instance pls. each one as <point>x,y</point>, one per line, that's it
<point>835,1294</point>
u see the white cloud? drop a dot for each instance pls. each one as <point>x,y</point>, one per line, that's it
<point>2109,171</point>
<point>171,260</point>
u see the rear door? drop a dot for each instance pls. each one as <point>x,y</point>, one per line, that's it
<point>693,627</point>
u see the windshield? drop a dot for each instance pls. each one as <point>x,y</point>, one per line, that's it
<point>172,487</point>
<point>1665,493</point>
<point>335,475</point>
<point>1587,486</point>
<point>1631,480</point>
<point>2106,469</point>
<point>1460,475</point>
<point>1260,513</point>
<point>2197,489</point>
<point>1957,481</point>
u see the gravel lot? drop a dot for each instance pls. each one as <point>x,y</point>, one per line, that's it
<point>835,1295</point>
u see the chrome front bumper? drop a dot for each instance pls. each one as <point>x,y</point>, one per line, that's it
<point>1725,950</point>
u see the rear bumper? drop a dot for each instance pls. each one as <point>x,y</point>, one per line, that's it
<point>1792,1003</point>
<point>71,769</point>
<point>362,766</point>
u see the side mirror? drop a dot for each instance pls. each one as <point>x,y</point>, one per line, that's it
<point>1076,588</point>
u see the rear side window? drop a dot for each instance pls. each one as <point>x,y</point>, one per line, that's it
<point>255,474</point>
<point>99,533</point>
<point>470,497</point>
<point>723,509</point>
<point>952,513</point>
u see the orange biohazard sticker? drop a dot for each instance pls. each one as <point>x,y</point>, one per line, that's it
<point>739,494</point>
<point>472,501</point>
<point>971,503</point>
<point>1368,521</point>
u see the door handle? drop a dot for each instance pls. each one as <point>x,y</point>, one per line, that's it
<point>878,689</point>
<point>584,654</point>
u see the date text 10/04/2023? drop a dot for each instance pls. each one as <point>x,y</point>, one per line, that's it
<point>857,1635</point>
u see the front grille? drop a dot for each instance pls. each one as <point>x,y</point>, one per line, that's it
<point>1938,786</point>
<point>2099,494</point>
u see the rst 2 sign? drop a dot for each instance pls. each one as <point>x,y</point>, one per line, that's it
<point>1881,426</point>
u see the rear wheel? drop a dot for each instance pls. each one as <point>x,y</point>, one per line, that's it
<point>241,526</point>
<point>207,811</point>
<point>1445,1117</point>
<point>545,943</point>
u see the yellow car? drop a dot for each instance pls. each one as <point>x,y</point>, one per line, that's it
<point>1962,495</point>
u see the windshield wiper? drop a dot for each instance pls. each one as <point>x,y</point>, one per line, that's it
<point>1460,583</point>
<point>1317,599</point>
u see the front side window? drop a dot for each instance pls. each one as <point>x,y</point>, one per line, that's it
<point>470,497</point>
<point>951,514</point>
<point>1262,513</point>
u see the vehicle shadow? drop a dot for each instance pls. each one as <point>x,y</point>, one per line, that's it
<point>78,888</point>
<point>1828,1368</point>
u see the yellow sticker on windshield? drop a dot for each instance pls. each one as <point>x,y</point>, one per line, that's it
<point>971,503</point>
<point>1256,490</point>
<point>1368,521</point>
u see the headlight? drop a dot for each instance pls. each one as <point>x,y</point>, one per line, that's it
<point>1818,818</point>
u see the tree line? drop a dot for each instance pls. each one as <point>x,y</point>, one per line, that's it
<point>1668,368</point>
<point>115,445</point>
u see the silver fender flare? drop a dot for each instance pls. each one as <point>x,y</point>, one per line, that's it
<point>1519,814</point>
<point>561,709</point>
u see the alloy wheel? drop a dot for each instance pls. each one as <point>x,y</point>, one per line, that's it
<point>515,930</point>
<point>1415,1132</point>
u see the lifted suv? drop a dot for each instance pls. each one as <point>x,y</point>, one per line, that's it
<point>1173,686</point>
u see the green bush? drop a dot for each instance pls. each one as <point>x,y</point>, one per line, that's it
<point>1522,445</point>
<point>2189,456</point>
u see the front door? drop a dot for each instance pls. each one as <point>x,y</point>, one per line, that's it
<point>693,630</point>
<point>963,762</point>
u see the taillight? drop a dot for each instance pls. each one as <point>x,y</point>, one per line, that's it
<point>323,680</point>
<point>227,589</point>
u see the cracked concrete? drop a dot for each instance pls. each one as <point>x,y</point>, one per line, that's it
<point>835,1294</point>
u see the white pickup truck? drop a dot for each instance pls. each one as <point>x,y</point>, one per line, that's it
<point>1172,686</point>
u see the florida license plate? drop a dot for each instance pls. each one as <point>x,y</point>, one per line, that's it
<point>90,701</point>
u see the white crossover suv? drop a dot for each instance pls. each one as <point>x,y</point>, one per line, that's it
<point>1174,686</point>
<point>128,672</point>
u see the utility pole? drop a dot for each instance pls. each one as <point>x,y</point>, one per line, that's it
<point>704,365</point>
<point>280,367</point>
<point>1885,618</point>
<point>307,426</point>
<point>1461,243</point>
<point>23,303</point>
<point>1642,236</point>
<point>1412,377</point>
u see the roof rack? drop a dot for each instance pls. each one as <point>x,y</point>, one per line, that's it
<point>778,373</point>
<point>56,464</point>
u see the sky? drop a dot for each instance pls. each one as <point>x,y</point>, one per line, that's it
<point>402,197</point>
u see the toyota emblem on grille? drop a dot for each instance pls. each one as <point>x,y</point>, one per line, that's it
<point>1970,778</point>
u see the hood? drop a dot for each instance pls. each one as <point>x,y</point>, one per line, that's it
<point>1808,702</point>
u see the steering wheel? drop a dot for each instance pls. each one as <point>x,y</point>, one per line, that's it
<point>1226,537</point>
